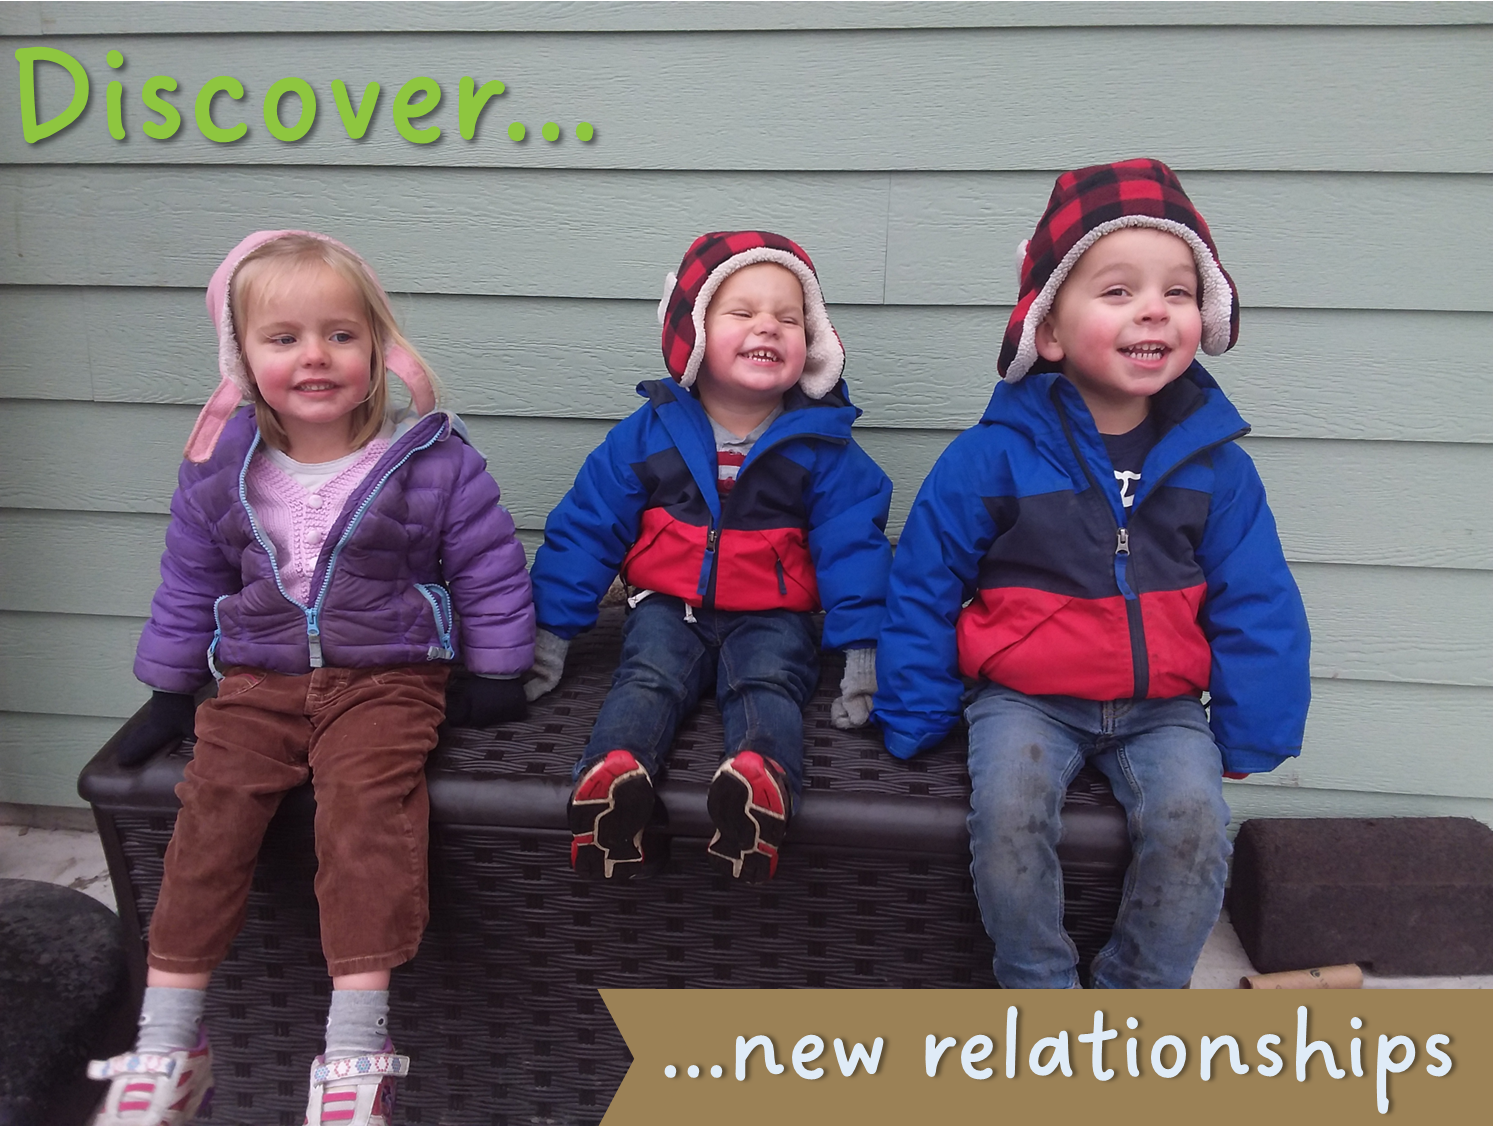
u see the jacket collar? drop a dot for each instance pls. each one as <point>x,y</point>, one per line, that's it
<point>828,418</point>
<point>1193,409</point>
<point>239,435</point>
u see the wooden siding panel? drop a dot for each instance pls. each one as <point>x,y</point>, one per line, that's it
<point>913,238</point>
<point>561,233</point>
<point>1394,738</point>
<point>1249,799</point>
<point>1405,624</point>
<point>1361,734</point>
<point>1407,504</point>
<point>529,273</point>
<point>1314,373</point>
<point>1287,240</point>
<point>42,755</point>
<point>100,563</point>
<point>70,664</point>
<point>30,17</point>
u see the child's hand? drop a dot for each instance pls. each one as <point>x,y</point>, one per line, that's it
<point>479,701</point>
<point>853,707</point>
<point>168,717</point>
<point>549,663</point>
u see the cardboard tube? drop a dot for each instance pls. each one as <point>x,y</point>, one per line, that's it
<point>1324,977</point>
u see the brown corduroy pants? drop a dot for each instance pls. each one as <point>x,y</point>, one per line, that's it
<point>362,735</point>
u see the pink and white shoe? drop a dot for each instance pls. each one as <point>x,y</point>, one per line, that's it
<point>155,1088</point>
<point>357,1091</point>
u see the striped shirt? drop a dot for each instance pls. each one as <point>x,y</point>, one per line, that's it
<point>731,452</point>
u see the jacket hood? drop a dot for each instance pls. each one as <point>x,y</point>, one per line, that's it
<point>233,376</point>
<point>830,415</point>
<point>710,260</point>
<point>1194,411</point>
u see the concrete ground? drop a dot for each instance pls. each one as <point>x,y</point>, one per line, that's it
<point>74,857</point>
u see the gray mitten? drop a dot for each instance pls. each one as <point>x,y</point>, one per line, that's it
<point>853,706</point>
<point>549,663</point>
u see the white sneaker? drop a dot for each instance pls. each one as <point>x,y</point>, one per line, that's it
<point>155,1088</point>
<point>358,1091</point>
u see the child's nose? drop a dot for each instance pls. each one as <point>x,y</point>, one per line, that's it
<point>1153,307</point>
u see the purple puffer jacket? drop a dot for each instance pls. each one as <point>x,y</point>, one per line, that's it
<point>424,532</point>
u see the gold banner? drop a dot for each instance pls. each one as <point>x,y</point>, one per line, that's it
<point>781,1057</point>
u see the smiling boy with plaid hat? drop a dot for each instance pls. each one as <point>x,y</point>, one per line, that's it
<point>1095,555</point>
<point>734,503</point>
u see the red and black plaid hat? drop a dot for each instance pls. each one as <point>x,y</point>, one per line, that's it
<point>1085,206</point>
<point>713,258</point>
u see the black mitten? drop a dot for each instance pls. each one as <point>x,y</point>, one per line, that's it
<point>476,701</point>
<point>168,717</point>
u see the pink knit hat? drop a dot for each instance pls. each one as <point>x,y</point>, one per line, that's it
<point>234,385</point>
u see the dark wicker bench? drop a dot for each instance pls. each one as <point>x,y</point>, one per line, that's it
<point>499,1011</point>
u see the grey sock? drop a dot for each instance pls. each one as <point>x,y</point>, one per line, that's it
<point>170,1019</point>
<point>357,1023</point>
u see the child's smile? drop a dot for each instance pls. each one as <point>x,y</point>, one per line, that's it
<point>308,346</point>
<point>1126,322</point>
<point>755,342</point>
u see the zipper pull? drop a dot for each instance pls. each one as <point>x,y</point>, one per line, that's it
<point>712,539</point>
<point>1122,541</point>
<point>313,638</point>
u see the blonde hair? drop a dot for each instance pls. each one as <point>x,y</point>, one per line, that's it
<point>286,254</point>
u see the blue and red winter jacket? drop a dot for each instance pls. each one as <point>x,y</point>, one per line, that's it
<point>803,528</point>
<point>1020,565</point>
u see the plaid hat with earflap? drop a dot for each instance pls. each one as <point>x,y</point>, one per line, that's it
<point>1088,204</point>
<point>709,261</point>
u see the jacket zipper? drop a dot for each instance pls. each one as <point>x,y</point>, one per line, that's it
<point>313,615</point>
<point>1139,654</point>
<point>445,621</point>
<point>707,566</point>
<point>312,612</point>
<point>706,585</point>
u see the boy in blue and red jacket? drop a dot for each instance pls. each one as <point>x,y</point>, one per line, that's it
<point>734,503</point>
<point>1095,555</point>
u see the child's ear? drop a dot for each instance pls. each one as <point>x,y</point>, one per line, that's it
<point>1047,342</point>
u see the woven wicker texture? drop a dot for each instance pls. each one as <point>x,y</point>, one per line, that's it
<point>499,1012</point>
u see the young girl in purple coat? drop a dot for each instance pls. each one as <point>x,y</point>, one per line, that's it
<point>318,546</point>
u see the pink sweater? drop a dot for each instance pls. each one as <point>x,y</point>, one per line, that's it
<point>297,504</point>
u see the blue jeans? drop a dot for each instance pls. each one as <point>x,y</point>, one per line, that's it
<point>763,665</point>
<point>1165,769</point>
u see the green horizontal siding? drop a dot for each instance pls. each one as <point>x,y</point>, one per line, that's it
<point>1330,498</point>
<point>1249,799</point>
<point>1402,99</point>
<point>42,755</point>
<point>1336,149</point>
<point>909,238</point>
<point>1312,373</point>
<point>1389,624</point>
<point>28,17</point>
<point>97,563</point>
<point>1360,731</point>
